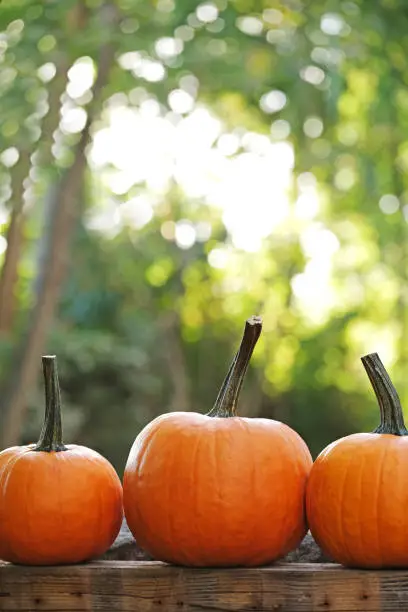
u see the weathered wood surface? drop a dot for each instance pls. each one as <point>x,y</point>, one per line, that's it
<point>141,586</point>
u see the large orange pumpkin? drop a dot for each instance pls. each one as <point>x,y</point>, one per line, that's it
<point>218,489</point>
<point>357,494</point>
<point>58,504</point>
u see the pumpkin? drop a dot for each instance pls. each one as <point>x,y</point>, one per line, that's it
<point>58,504</point>
<point>357,493</point>
<point>218,489</point>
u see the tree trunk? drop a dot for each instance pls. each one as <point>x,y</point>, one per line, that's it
<point>65,211</point>
<point>170,328</point>
<point>14,237</point>
<point>15,232</point>
<point>46,160</point>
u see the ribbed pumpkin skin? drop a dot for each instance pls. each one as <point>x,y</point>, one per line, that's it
<point>204,491</point>
<point>357,500</point>
<point>57,507</point>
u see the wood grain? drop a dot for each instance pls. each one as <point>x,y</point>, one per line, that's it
<point>117,586</point>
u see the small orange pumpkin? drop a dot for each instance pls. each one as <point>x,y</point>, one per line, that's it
<point>218,489</point>
<point>58,504</point>
<point>357,493</point>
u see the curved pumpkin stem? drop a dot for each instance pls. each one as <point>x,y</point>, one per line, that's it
<point>227,399</point>
<point>51,433</point>
<point>392,419</point>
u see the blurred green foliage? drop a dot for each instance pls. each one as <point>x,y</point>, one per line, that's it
<point>147,323</point>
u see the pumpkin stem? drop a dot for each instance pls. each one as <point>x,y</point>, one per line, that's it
<point>392,419</point>
<point>227,399</point>
<point>51,433</point>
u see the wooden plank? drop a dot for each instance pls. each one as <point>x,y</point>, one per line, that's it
<point>118,586</point>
